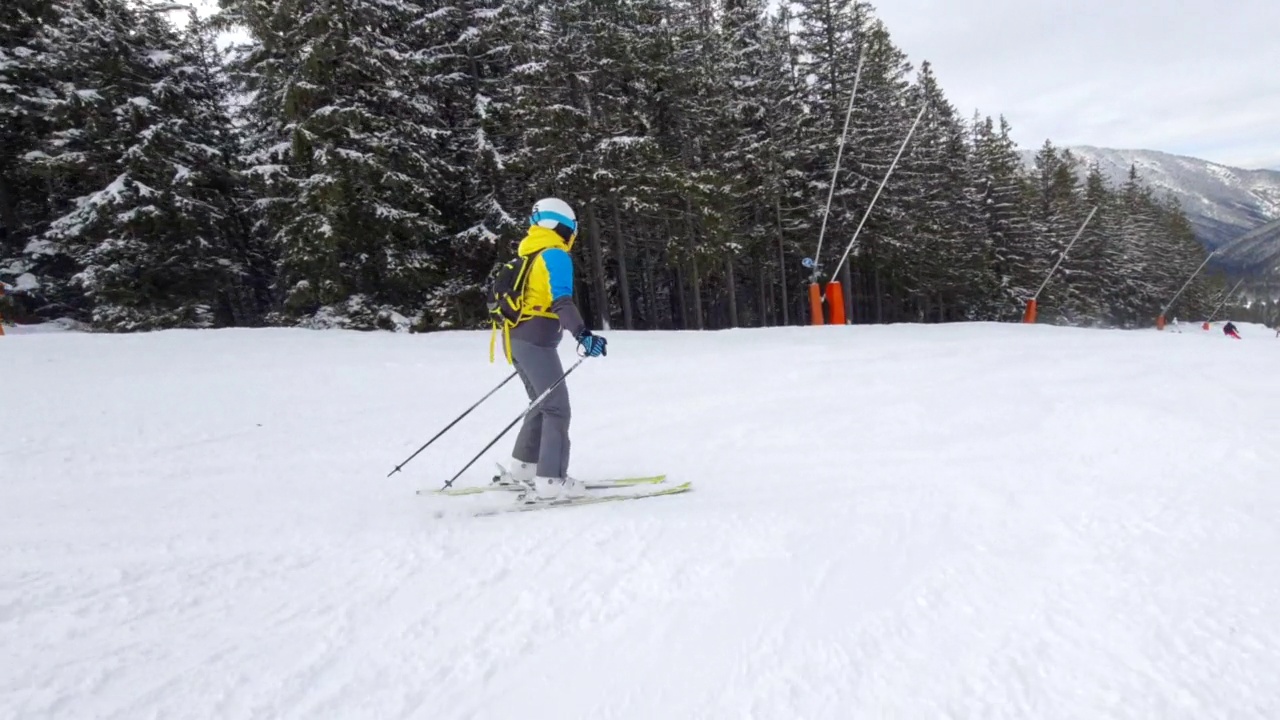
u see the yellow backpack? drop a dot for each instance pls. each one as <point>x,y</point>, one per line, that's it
<point>505,298</point>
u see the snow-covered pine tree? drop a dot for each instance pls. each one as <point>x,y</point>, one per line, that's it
<point>1094,265</point>
<point>675,112</point>
<point>1002,190</point>
<point>137,155</point>
<point>761,123</point>
<point>245,297</point>
<point>631,41</point>
<point>710,193</point>
<point>675,191</point>
<point>789,177</point>
<point>592,113</point>
<point>1147,282</point>
<point>744,133</point>
<point>477,80</point>
<point>350,155</point>
<point>643,164</point>
<point>696,137</point>
<point>1057,213</point>
<point>75,140</point>
<point>26,88</point>
<point>881,122</point>
<point>557,116</point>
<point>1184,254</point>
<point>946,266</point>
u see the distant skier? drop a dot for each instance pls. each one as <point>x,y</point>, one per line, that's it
<point>1230,330</point>
<point>541,452</point>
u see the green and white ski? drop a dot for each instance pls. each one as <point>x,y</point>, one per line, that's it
<point>587,500</point>
<point>604,484</point>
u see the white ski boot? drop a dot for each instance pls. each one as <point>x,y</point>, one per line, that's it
<point>518,476</point>
<point>552,489</point>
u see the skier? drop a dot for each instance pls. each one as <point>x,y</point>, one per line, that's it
<point>541,453</point>
<point>1230,330</point>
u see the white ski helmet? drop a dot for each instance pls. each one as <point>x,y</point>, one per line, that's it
<point>555,214</point>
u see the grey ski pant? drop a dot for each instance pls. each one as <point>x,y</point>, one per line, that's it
<point>544,436</point>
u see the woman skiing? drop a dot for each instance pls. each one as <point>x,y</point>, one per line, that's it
<point>541,453</point>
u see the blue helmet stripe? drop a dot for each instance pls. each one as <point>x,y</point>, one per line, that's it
<point>549,215</point>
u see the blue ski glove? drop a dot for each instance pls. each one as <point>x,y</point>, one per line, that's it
<point>592,345</point>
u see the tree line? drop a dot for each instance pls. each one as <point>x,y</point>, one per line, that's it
<point>362,163</point>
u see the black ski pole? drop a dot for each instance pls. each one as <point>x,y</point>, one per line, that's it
<point>538,400</point>
<point>455,422</point>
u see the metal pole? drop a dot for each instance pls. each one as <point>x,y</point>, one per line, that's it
<point>1188,282</point>
<point>857,76</point>
<point>883,182</point>
<point>1064,253</point>
<point>1224,300</point>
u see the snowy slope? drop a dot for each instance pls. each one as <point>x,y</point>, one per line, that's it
<point>966,521</point>
<point>1223,202</point>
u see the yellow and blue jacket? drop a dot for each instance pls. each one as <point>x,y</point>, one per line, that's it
<point>547,302</point>
<point>550,275</point>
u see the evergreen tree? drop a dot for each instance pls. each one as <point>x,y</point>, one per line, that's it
<point>349,152</point>
<point>1092,268</point>
<point>1001,189</point>
<point>25,90</point>
<point>136,151</point>
<point>946,259</point>
<point>757,128</point>
<point>387,152</point>
<point>560,117</point>
<point>1056,214</point>
<point>1145,277</point>
<point>1185,255</point>
<point>477,79</point>
<point>64,99</point>
<point>783,156</point>
<point>627,156</point>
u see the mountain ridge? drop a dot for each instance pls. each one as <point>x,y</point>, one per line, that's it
<point>1232,209</point>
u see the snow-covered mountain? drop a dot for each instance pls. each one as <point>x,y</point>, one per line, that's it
<point>1257,250</point>
<point>1223,202</point>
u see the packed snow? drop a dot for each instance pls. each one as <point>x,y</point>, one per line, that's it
<point>962,521</point>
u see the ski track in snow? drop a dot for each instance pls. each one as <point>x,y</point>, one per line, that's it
<point>965,521</point>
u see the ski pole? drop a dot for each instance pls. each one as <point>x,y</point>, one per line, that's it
<point>537,401</point>
<point>455,422</point>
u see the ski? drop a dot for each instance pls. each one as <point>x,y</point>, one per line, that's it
<point>588,500</point>
<point>602,484</point>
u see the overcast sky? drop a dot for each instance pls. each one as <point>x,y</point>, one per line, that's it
<point>1192,77</point>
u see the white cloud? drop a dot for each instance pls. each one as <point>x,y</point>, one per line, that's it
<point>1194,77</point>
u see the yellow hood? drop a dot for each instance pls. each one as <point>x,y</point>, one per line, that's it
<point>540,238</point>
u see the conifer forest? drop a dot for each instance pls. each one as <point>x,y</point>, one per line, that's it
<point>365,163</point>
